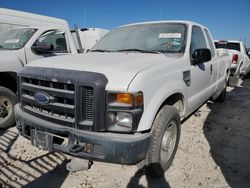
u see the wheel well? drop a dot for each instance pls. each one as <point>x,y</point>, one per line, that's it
<point>8,80</point>
<point>176,100</point>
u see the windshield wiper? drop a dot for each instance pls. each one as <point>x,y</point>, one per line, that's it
<point>127,50</point>
<point>138,50</point>
<point>100,50</point>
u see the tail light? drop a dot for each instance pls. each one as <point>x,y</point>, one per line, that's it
<point>235,59</point>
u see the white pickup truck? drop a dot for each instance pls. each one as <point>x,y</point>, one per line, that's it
<point>240,61</point>
<point>122,102</point>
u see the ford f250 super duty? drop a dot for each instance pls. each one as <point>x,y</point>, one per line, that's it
<point>123,102</point>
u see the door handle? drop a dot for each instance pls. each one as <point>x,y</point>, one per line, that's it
<point>211,69</point>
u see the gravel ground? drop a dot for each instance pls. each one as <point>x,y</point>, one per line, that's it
<point>214,151</point>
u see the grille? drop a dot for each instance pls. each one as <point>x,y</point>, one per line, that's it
<point>76,98</point>
<point>60,109</point>
<point>88,104</point>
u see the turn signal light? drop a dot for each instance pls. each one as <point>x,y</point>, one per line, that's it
<point>126,99</point>
<point>138,99</point>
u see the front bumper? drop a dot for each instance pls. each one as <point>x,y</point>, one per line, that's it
<point>98,146</point>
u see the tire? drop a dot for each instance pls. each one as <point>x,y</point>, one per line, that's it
<point>162,149</point>
<point>240,75</point>
<point>222,97</point>
<point>8,100</point>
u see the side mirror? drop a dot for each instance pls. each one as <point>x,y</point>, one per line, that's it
<point>201,55</point>
<point>42,47</point>
<point>248,53</point>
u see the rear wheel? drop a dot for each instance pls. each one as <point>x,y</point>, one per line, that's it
<point>221,98</point>
<point>7,102</point>
<point>164,142</point>
<point>241,73</point>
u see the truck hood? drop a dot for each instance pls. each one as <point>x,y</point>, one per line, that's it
<point>119,68</point>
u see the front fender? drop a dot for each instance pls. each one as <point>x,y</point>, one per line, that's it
<point>155,101</point>
<point>10,64</point>
<point>157,84</point>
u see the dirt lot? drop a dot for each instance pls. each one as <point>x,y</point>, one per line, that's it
<point>214,151</point>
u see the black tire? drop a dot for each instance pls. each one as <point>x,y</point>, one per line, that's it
<point>8,100</point>
<point>240,75</point>
<point>166,119</point>
<point>222,97</point>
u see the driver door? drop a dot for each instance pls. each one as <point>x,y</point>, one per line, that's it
<point>201,73</point>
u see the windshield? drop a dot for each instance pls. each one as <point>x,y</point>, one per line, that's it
<point>15,38</point>
<point>156,37</point>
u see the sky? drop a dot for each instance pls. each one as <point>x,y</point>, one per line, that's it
<point>226,19</point>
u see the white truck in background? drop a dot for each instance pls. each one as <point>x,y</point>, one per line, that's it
<point>86,38</point>
<point>25,37</point>
<point>240,59</point>
<point>123,101</point>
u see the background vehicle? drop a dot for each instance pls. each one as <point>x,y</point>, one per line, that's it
<point>125,103</point>
<point>25,37</point>
<point>86,38</point>
<point>240,65</point>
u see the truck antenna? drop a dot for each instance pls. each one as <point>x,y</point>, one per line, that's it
<point>84,16</point>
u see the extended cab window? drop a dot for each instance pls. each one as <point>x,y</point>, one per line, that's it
<point>211,44</point>
<point>56,38</point>
<point>198,40</point>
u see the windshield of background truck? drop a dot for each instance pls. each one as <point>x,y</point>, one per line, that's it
<point>155,37</point>
<point>228,45</point>
<point>15,39</point>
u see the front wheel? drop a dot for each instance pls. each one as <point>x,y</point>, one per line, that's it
<point>7,102</point>
<point>164,142</point>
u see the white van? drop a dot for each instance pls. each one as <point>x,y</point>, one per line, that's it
<point>25,37</point>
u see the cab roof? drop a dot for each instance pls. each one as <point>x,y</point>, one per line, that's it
<point>187,22</point>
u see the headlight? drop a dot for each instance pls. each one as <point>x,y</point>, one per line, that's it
<point>123,111</point>
<point>119,121</point>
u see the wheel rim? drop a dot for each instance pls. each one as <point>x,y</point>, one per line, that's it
<point>168,141</point>
<point>5,109</point>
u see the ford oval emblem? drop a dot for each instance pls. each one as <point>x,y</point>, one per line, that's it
<point>41,98</point>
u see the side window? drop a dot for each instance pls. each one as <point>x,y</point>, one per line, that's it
<point>211,44</point>
<point>197,40</point>
<point>56,38</point>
